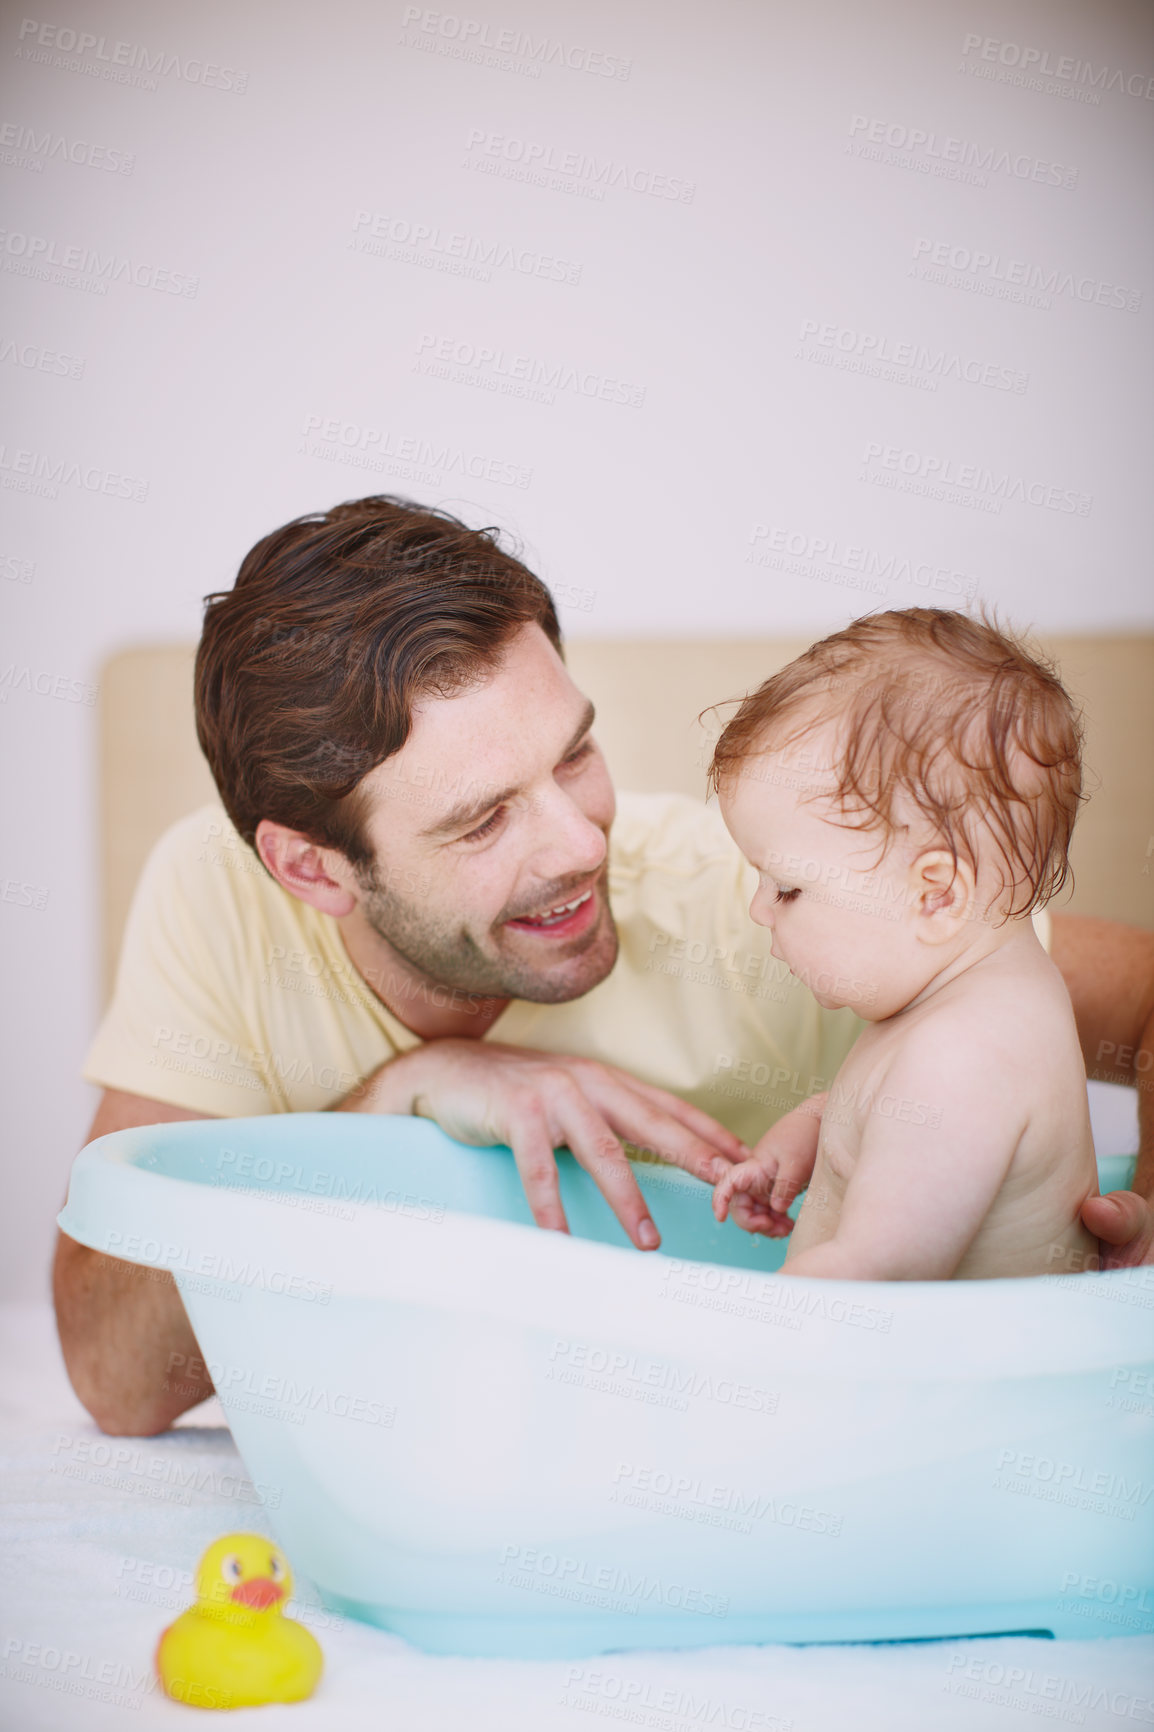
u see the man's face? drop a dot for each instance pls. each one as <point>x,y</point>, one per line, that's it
<point>500,804</point>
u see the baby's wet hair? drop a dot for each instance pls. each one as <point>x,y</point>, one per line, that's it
<point>947,711</point>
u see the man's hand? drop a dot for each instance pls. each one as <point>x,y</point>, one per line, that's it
<point>1124,1222</point>
<point>481,1092</point>
<point>759,1191</point>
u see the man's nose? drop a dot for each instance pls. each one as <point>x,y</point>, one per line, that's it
<point>569,841</point>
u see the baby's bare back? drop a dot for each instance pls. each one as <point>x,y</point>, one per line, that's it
<point>957,1135</point>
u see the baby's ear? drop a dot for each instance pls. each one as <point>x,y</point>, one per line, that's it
<point>941,893</point>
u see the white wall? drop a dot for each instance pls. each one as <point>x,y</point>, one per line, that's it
<point>345,193</point>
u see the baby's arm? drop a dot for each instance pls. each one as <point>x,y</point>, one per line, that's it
<point>919,1192</point>
<point>761,1189</point>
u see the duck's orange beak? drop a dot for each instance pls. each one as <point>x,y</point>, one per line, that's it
<point>260,1592</point>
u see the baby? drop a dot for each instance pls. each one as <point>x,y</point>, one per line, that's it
<point>906,790</point>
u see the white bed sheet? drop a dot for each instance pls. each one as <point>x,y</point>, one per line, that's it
<point>87,1551</point>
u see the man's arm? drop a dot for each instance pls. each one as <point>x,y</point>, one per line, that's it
<point>1109,973</point>
<point>121,1325</point>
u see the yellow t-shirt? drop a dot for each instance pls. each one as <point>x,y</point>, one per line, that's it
<point>233,998</point>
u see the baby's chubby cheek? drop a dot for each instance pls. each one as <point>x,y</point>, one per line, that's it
<point>852,960</point>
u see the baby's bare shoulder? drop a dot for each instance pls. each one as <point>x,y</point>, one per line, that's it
<point>955,1063</point>
<point>1010,1034</point>
<point>1015,1006</point>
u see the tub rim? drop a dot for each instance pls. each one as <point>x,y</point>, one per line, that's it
<point>486,1264</point>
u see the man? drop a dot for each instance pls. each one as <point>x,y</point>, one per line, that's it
<point>413,905</point>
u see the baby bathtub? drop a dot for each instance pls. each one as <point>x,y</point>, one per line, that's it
<point>498,1441</point>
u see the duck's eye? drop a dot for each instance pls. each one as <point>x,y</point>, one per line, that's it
<point>231,1570</point>
<point>275,1567</point>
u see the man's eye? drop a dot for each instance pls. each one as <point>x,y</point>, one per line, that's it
<point>485,829</point>
<point>582,751</point>
<point>788,895</point>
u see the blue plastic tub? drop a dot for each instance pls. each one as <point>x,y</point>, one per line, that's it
<point>499,1441</point>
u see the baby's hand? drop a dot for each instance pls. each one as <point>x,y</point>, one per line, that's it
<point>753,1214</point>
<point>761,1189</point>
<point>747,1189</point>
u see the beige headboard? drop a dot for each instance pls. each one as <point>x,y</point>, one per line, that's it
<point>648,696</point>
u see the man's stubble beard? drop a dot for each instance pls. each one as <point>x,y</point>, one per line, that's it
<point>449,956</point>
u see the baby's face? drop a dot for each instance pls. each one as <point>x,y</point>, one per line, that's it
<point>842,921</point>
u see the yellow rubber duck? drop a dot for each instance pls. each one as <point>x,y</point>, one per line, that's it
<point>235,1648</point>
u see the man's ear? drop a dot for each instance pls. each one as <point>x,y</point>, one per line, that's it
<point>322,877</point>
<point>941,894</point>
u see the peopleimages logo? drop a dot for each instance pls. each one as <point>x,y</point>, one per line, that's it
<point>673,1707</point>
<point>39,360</point>
<point>217,1266</point>
<point>97,1678</point>
<point>880,356</point>
<point>39,256</point>
<point>657,1382</point>
<point>14,678</point>
<point>24,147</point>
<point>705,1501</point>
<point>810,555</point>
<point>117,1461</point>
<point>1065,68</point>
<point>1108,1601</point>
<point>518,158</point>
<point>497,369</point>
<point>745,1292</point>
<point>381,449</point>
<point>933,151</point>
<point>120,62</point>
<point>972,478</point>
<point>476,39</point>
<point>1046,1695</point>
<point>39,472</point>
<point>1015,279</point>
<point>1075,1484</point>
<point>263,1171</point>
<point>427,244</point>
<point>613,1587</point>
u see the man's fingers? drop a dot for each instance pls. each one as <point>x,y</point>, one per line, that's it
<point>597,1149</point>
<point>1124,1221</point>
<point>684,1113</point>
<point>648,1126</point>
<point>532,1149</point>
<point>1117,1217</point>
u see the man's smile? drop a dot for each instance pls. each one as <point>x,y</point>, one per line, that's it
<point>562,919</point>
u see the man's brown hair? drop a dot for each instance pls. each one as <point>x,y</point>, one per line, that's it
<point>309,666</point>
<point>952,712</point>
